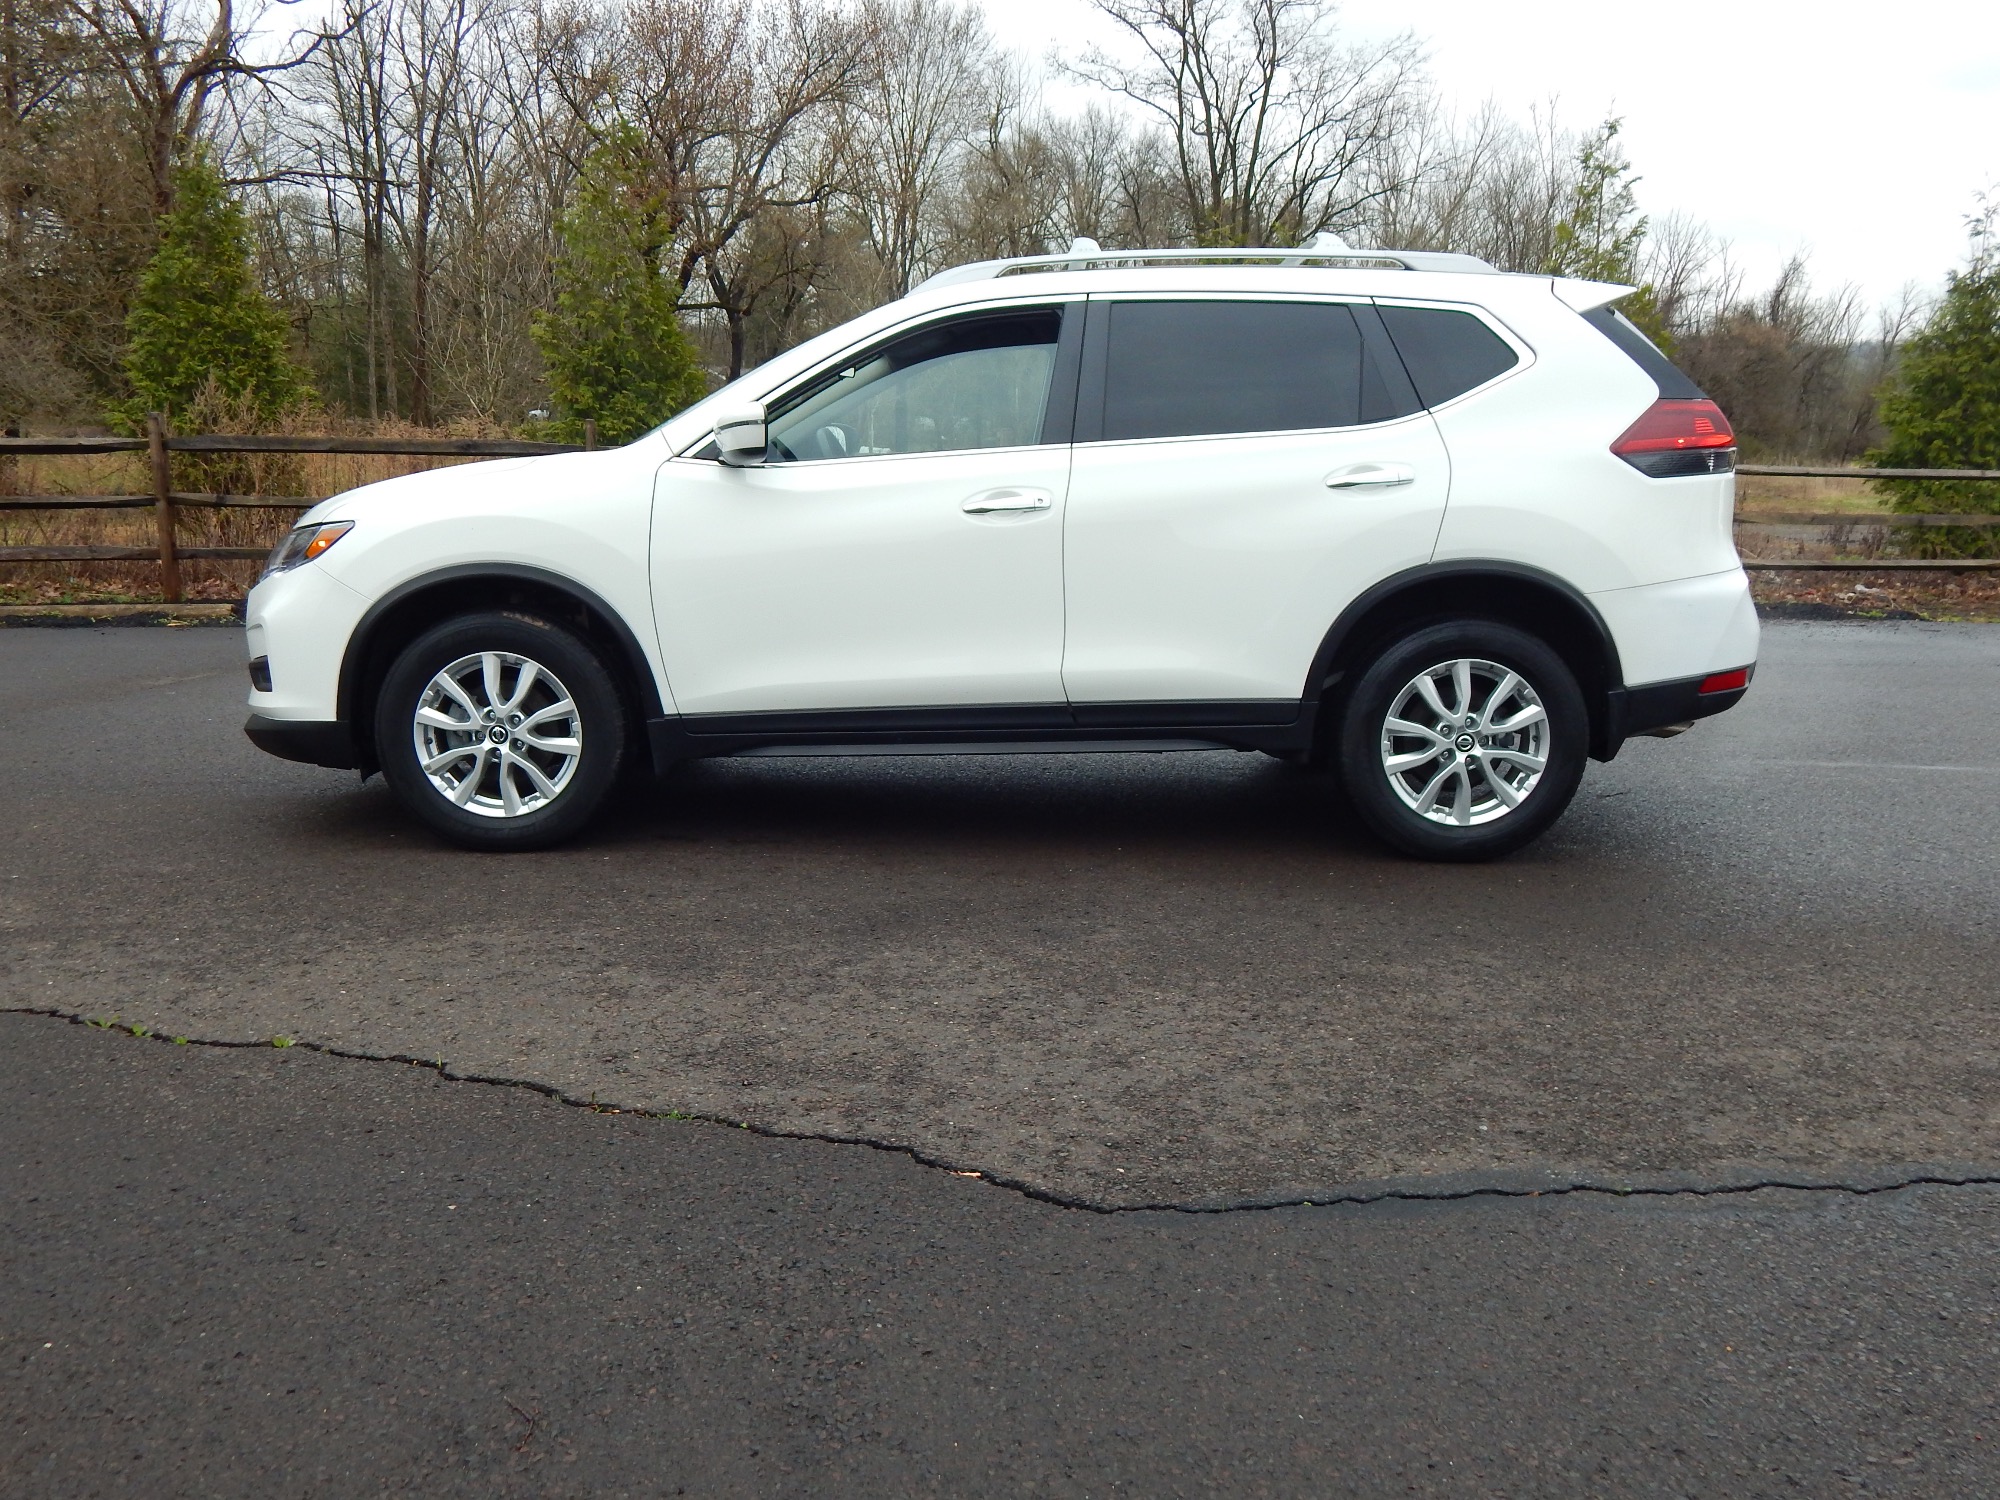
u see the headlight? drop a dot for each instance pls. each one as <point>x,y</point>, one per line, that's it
<point>302,544</point>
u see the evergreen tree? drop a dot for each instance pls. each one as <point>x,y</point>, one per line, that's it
<point>1942,411</point>
<point>202,330</point>
<point>613,341</point>
<point>1601,235</point>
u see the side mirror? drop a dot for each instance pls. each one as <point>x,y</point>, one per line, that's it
<point>740,436</point>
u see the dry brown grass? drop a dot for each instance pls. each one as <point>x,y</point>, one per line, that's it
<point>1763,494</point>
<point>1933,596</point>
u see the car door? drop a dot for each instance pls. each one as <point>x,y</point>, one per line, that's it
<point>900,547</point>
<point>1244,468</point>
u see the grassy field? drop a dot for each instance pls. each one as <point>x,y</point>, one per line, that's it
<point>1760,494</point>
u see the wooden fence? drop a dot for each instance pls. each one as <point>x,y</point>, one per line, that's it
<point>165,500</point>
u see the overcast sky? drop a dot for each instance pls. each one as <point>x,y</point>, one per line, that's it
<point>1859,134</point>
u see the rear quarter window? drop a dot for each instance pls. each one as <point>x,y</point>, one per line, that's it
<point>1669,377</point>
<point>1447,353</point>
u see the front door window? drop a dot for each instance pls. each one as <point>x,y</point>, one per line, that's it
<point>981,383</point>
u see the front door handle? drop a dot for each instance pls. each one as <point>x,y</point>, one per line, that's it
<point>1360,476</point>
<point>997,500</point>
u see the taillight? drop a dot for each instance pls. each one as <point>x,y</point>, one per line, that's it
<point>1675,438</point>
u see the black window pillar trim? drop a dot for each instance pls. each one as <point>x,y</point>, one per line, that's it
<point>1388,359</point>
<point>1059,415</point>
<point>1094,362</point>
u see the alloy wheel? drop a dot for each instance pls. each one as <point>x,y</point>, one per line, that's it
<point>1465,742</point>
<point>497,734</point>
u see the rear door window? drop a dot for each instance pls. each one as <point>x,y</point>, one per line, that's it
<point>1188,369</point>
<point>1446,352</point>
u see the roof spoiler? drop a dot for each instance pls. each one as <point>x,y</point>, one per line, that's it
<point>1588,296</point>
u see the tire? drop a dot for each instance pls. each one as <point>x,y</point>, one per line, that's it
<point>1471,793</point>
<point>448,725</point>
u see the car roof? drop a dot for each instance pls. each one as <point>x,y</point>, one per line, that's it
<point>1324,254</point>
<point>1312,271</point>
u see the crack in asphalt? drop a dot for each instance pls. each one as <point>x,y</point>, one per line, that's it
<point>1457,1188</point>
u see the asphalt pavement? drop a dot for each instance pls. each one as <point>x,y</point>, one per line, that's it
<point>265,1272</point>
<point>1178,979</point>
<point>1199,1133</point>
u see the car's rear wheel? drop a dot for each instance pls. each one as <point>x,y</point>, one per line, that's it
<point>500,731</point>
<point>1463,741</point>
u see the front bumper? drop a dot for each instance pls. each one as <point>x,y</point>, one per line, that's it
<point>316,743</point>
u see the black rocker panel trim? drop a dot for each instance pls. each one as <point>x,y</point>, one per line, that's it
<point>1221,714</point>
<point>1249,726</point>
<point>982,717</point>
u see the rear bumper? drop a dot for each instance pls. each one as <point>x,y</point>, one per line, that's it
<point>315,742</point>
<point>1636,710</point>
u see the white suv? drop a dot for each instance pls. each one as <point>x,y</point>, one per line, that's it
<point>1445,531</point>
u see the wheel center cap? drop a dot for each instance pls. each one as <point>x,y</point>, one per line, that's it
<point>1465,742</point>
<point>497,734</point>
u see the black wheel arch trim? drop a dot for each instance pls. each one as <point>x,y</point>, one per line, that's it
<point>354,659</point>
<point>1606,719</point>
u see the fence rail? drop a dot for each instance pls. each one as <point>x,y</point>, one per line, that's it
<point>232,443</point>
<point>165,501</point>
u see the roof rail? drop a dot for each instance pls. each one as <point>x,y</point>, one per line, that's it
<point>1326,252</point>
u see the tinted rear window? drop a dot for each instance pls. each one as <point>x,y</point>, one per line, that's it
<point>1447,353</point>
<point>1627,335</point>
<point>1181,369</point>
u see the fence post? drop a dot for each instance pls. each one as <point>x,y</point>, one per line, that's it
<point>163,507</point>
<point>590,434</point>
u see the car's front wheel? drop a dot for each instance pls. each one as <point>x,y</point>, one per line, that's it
<point>501,731</point>
<point>1463,740</point>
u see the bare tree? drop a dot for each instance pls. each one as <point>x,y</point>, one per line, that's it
<point>1795,370</point>
<point>914,115</point>
<point>1492,187</point>
<point>1009,193</point>
<point>174,58</point>
<point>744,110</point>
<point>1278,129</point>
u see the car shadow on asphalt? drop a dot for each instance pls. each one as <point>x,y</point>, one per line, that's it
<point>1217,803</point>
<point>1222,802</point>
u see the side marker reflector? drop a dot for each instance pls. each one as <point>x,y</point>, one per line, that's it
<point>1726,682</point>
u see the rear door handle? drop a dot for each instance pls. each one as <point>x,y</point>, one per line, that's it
<point>1360,476</point>
<point>996,500</point>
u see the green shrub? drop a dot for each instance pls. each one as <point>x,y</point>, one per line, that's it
<point>202,330</point>
<point>1942,411</point>
<point>613,342</point>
